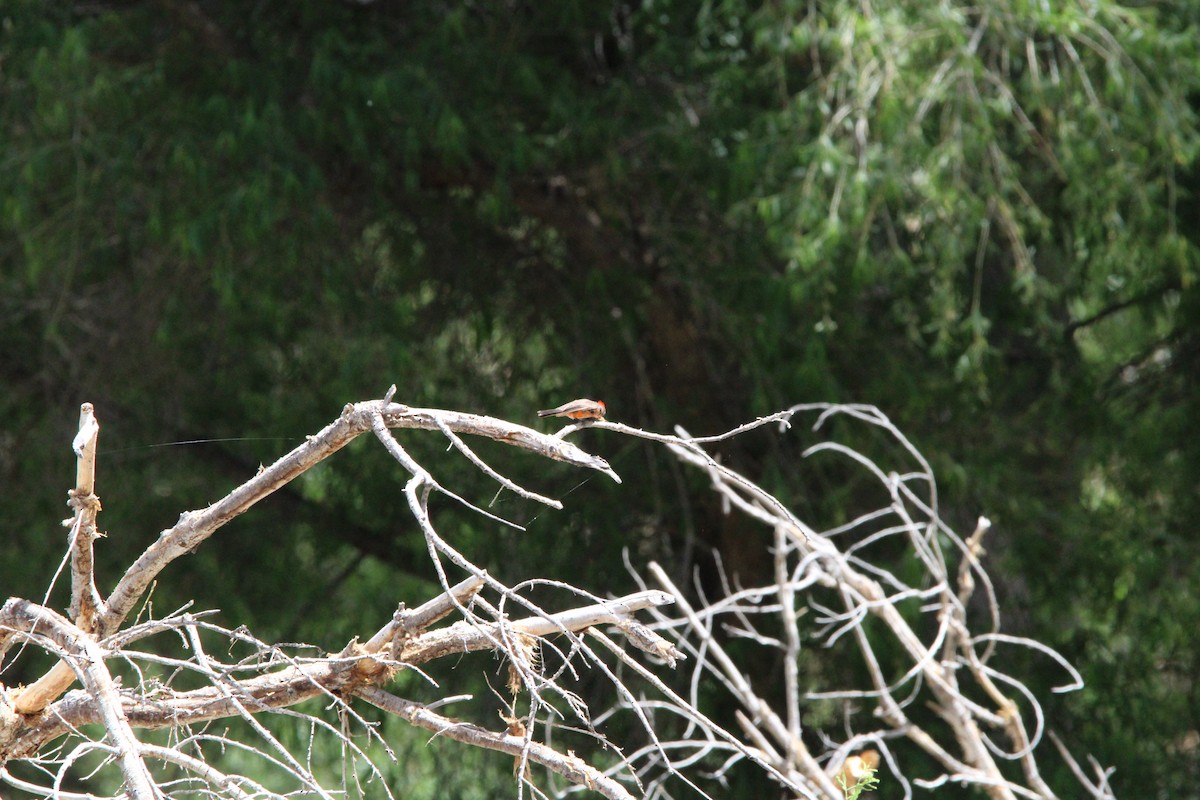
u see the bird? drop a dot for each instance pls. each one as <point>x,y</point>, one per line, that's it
<point>577,409</point>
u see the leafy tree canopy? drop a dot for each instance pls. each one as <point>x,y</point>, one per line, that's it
<point>224,221</point>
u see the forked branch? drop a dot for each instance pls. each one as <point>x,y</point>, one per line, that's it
<point>923,644</point>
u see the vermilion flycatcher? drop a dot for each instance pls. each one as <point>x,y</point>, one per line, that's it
<point>577,409</point>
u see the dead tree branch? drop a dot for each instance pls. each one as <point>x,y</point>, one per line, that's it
<point>826,586</point>
<point>932,659</point>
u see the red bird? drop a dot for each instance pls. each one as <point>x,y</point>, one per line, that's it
<point>577,409</point>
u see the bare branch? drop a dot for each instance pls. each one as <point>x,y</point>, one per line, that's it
<point>87,659</point>
<point>86,603</point>
<point>85,599</point>
<point>907,630</point>
<point>570,767</point>
<point>408,623</point>
<point>943,664</point>
<point>463,637</point>
<point>196,526</point>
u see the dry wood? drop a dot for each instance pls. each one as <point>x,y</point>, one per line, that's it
<point>825,587</point>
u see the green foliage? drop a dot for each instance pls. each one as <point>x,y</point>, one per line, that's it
<point>867,783</point>
<point>961,164</point>
<point>227,222</point>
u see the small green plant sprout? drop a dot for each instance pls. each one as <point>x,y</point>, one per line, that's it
<point>857,775</point>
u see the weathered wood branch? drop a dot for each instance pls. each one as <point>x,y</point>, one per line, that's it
<point>571,767</point>
<point>86,604</point>
<point>86,658</point>
<point>196,526</point>
<point>342,674</point>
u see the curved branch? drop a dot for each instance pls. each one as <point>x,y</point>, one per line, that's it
<point>196,526</point>
<point>87,659</point>
<point>569,766</point>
